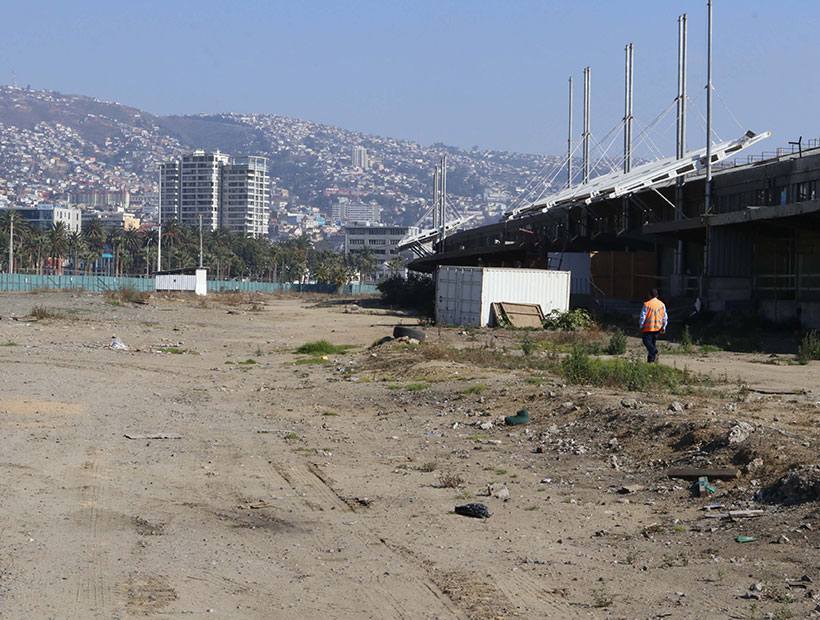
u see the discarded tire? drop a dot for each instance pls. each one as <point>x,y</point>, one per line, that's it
<point>522,416</point>
<point>402,331</point>
<point>477,511</point>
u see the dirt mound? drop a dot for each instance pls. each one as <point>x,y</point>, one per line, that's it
<point>796,487</point>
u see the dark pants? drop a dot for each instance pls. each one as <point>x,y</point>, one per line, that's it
<point>649,341</point>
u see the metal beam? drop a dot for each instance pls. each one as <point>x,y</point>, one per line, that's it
<point>617,184</point>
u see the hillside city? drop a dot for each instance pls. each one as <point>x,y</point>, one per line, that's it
<point>103,158</point>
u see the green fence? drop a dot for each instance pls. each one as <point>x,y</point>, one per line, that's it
<point>32,282</point>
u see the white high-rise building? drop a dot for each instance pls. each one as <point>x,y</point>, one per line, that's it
<point>360,158</point>
<point>227,192</point>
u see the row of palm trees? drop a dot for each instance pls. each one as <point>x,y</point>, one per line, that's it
<point>114,251</point>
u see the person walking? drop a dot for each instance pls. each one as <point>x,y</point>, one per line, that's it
<point>653,322</point>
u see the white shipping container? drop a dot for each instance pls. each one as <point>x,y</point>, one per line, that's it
<point>464,294</point>
<point>182,282</point>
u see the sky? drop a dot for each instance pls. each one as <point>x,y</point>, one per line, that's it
<point>492,74</point>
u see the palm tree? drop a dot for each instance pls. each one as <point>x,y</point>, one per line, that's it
<point>131,244</point>
<point>57,244</point>
<point>74,245</point>
<point>94,237</point>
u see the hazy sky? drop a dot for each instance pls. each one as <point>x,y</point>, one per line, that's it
<point>492,74</point>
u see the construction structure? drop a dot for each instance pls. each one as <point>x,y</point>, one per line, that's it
<point>709,229</point>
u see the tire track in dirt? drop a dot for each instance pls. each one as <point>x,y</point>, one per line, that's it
<point>396,588</point>
<point>92,597</point>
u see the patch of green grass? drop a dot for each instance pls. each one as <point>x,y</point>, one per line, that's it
<point>475,389</point>
<point>464,495</point>
<point>633,374</point>
<point>10,343</point>
<point>415,387</point>
<point>292,436</point>
<point>248,361</point>
<point>476,437</point>
<point>308,360</point>
<point>322,347</point>
<point>115,302</point>
<point>531,508</point>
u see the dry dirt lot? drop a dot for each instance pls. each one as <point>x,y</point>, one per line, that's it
<point>205,473</point>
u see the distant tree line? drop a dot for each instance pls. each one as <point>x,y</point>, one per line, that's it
<point>226,255</point>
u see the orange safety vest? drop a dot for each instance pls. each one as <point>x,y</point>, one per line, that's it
<point>655,314</point>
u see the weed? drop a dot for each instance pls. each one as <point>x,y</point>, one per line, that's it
<point>617,343</point>
<point>127,294</point>
<point>474,389</point>
<point>601,598</point>
<point>415,387</point>
<point>464,495</point>
<point>631,557</point>
<point>292,436</point>
<point>573,319</point>
<point>248,362</point>
<point>10,343</point>
<point>308,360</point>
<point>686,344</point>
<point>259,352</point>
<point>428,466</point>
<point>809,348</point>
<point>632,374</point>
<point>255,308</point>
<point>229,362</point>
<point>450,481</point>
<point>527,346</point>
<point>41,312</point>
<point>174,350</point>
<point>322,347</point>
<point>531,508</point>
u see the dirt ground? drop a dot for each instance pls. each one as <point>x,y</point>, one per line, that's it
<point>209,472</point>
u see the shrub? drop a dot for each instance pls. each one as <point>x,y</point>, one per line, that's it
<point>416,292</point>
<point>617,343</point>
<point>527,346</point>
<point>573,319</point>
<point>809,348</point>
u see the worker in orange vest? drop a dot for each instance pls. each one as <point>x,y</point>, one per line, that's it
<point>653,322</point>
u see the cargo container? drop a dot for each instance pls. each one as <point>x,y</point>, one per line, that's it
<point>196,282</point>
<point>464,294</point>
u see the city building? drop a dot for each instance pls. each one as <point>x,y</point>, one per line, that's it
<point>113,219</point>
<point>47,215</point>
<point>346,211</point>
<point>225,192</point>
<point>101,199</point>
<point>360,157</point>
<point>382,239</point>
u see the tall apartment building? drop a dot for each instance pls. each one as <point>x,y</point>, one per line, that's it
<point>360,157</point>
<point>227,192</point>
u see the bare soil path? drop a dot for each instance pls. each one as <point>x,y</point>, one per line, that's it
<point>257,487</point>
